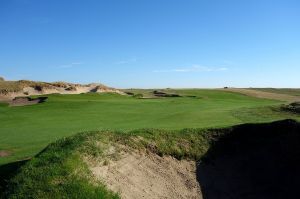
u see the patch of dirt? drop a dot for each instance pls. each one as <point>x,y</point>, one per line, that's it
<point>23,101</point>
<point>4,153</point>
<point>138,175</point>
<point>264,94</point>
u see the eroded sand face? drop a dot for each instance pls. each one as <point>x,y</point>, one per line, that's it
<point>29,91</point>
<point>137,175</point>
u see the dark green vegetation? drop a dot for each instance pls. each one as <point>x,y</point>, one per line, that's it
<point>265,156</point>
<point>24,131</point>
<point>287,91</point>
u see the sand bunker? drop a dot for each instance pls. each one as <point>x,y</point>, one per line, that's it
<point>23,101</point>
<point>5,153</point>
<point>137,175</point>
<point>163,94</point>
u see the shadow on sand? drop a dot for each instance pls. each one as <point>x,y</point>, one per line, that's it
<point>253,161</point>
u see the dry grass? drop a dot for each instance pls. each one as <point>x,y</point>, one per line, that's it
<point>7,87</point>
<point>264,94</point>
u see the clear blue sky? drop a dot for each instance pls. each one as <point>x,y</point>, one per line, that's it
<point>152,43</point>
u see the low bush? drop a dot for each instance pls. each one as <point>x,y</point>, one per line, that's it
<point>138,95</point>
<point>293,107</point>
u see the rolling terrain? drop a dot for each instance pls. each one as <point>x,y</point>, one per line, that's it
<point>253,161</point>
<point>25,130</point>
<point>155,129</point>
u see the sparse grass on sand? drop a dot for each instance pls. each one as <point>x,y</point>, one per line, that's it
<point>16,86</point>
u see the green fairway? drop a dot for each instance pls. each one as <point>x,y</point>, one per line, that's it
<point>24,131</point>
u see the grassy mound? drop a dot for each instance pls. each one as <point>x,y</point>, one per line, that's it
<point>60,171</point>
<point>57,172</point>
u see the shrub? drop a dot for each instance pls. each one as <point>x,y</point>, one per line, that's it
<point>139,95</point>
<point>293,107</point>
<point>71,88</point>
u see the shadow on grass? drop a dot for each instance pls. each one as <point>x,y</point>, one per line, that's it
<point>253,161</point>
<point>7,171</point>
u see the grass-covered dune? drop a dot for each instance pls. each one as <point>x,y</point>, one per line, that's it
<point>26,130</point>
<point>245,161</point>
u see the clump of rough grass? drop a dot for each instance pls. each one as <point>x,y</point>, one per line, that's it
<point>183,144</point>
<point>61,84</point>
<point>71,88</point>
<point>9,86</point>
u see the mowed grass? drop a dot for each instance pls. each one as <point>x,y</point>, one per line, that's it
<point>24,131</point>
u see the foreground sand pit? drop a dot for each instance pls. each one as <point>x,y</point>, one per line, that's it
<point>139,175</point>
